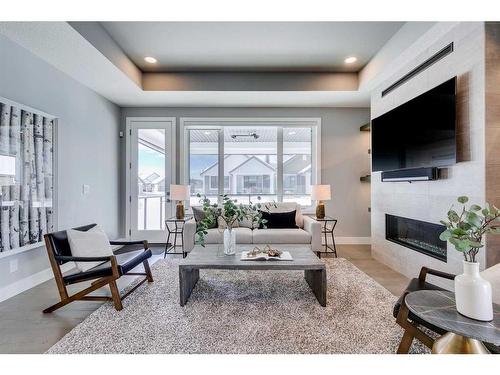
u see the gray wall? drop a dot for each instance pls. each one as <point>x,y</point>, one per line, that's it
<point>87,147</point>
<point>344,155</point>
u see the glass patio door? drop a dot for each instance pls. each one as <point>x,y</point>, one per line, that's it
<point>151,155</point>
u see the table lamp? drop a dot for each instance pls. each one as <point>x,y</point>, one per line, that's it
<point>320,193</point>
<point>179,193</point>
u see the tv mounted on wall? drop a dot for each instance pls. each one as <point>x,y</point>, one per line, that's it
<point>419,133</point>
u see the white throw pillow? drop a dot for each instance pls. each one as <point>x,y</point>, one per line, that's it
<point>92,243</point>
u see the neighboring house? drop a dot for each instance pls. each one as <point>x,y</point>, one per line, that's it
<point>297,175</point>
<point>243,175</point>
<point>152,183</point>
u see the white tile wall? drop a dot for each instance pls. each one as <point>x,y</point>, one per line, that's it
<point>429,201</point>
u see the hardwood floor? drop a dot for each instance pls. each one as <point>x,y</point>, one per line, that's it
<point>25,329</point>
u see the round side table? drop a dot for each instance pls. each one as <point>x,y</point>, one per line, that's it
<point>465,335</point>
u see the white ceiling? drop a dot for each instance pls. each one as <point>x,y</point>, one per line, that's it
<point>251,46</point>
<point>96,61</point>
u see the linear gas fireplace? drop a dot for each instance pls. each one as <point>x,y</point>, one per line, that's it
<point>416,235</point>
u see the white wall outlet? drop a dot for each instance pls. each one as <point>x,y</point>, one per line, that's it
<point>14,265</point>
<point>85,189</point>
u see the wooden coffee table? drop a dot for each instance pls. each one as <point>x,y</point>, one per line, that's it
<point>209,257</point>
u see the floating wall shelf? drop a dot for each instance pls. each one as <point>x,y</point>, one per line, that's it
<point>365,128</point>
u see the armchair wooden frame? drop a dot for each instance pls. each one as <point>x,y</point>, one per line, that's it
<point>411,328</point>
<point>55,262</point>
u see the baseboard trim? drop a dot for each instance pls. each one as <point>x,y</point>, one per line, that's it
<point>29,282</point>
<point>352,240</point>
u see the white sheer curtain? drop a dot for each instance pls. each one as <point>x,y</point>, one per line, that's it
<point>26,176</point>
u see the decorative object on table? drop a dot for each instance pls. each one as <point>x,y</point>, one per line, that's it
<point>227,214</point>
<point>175,227</point>
<point>179,193</point>
<point>260,255</point>
<point>268,250</point>
<point>320,193</point>
<point>465,230</point>
<point>327,228</point>
<point>463,335</point>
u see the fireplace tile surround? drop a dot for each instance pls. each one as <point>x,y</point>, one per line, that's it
<point>429,201</point>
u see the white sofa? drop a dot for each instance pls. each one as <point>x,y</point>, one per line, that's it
<point>308,231</point>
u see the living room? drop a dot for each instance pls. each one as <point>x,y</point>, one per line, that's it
<point>263,187</point>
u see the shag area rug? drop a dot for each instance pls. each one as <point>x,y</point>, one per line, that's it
<point>244,312</point>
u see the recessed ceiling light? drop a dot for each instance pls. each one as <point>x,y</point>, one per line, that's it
<point>350,60</point>
<point>150,60</point>
<point>207,133</point>
<point>292,133</point>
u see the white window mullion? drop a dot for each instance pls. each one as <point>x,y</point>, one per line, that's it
<point>279,165</point>
<point>221,164</point>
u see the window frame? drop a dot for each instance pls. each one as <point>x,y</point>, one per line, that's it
<point>218,124</point>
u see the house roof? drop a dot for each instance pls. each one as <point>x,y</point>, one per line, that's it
<point>229,162</point>
<point>253,158</point>
<point>297,164</point>
<point>153,178</point>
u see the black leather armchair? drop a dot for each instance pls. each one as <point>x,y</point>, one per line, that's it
<point>411,323</point>
<point>111,268</point>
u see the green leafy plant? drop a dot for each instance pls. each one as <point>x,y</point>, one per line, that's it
<point>227,214</point>
<point>465,229</point>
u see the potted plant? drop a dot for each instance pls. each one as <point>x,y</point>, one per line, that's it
<point>465,230</point>
<point>225,215</point>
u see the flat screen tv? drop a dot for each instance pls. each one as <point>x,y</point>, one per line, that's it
<point>418,133</point>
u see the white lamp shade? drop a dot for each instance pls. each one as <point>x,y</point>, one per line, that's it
<point>321,192</point>
<point>179,192</point>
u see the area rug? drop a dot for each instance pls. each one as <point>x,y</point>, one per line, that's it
<point>244,312</point>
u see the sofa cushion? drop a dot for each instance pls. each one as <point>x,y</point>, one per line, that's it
<point>285,207</point>
<point>278,236</point>
<point>278,220</point>
<point>243,236</point>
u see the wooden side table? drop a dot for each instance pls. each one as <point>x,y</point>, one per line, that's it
<point>329,224</point>
<point>465,335</point>
<point>174,228</point>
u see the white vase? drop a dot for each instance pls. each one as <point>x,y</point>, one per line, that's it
<point>473,294</point>
<point>229,241</point>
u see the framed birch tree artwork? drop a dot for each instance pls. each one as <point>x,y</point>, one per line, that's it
<point>26,176</point>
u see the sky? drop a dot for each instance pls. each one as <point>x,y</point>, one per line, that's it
<point>150,161</point>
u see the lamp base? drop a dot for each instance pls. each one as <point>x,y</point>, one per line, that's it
<point>179,211</point>
<point>320,210</point>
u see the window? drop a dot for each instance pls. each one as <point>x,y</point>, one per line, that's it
<point>297,165</point>
<point>274,161</point>
<point>250,159</point>
<point>214,183</point>
<point>203,157</point>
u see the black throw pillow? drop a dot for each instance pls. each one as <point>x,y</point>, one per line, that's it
<point>279,220</point>
<point>199,215</point>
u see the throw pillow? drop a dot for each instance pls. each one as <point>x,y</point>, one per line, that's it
<point>279,220</point>
<point>199,215</point>
<point>92,243</point>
